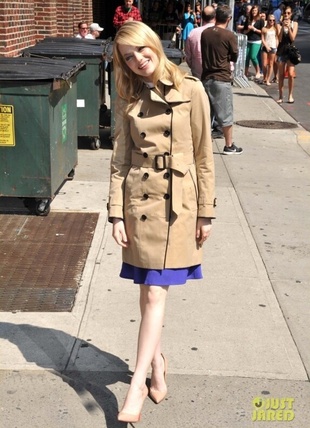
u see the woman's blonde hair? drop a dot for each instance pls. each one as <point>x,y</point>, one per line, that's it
<point>128,84</point>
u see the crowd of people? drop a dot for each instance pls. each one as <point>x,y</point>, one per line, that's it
<point>174,17</point>
<point>268,38</point>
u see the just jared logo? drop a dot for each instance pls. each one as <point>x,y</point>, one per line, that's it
<point>273,409</point>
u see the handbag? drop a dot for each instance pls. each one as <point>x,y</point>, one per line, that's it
<point>293,54</point>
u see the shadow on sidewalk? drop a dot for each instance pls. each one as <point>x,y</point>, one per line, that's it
<point>46,348</point>
<point>254,95</point>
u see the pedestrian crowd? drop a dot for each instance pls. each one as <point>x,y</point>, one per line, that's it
<point>269,35</point>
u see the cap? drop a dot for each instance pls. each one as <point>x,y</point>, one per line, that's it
<point>95,27</point>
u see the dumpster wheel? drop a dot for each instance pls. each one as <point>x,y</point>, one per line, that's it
<point>71,174</point>
<point>95,143</point>
<point>39,207</point>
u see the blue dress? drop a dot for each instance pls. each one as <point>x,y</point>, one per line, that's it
<point>177,276</point>
<point>188,25</point>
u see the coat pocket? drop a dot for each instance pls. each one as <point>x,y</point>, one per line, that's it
<point>190,190</point>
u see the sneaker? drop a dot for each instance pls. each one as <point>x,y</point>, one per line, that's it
<point>232,150</point>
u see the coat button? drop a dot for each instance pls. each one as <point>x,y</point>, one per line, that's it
<point>145,196</point>
<point>140,114</point>
<point>143,135</point>
<point>166,153</point>
<point>166,196</point>
<point>166,175</point>
<point>145,155</point>
<point>145,176</point>
<point>143,217</point>
<point>167,133</point>
<point>168,111</point>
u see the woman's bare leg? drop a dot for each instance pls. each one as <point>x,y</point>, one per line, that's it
<point>265,65</point>
<point>271,58</point>
<point>291,74</point>
<point>275,69</point>
<point>152,307</point>
<point>281,66</point>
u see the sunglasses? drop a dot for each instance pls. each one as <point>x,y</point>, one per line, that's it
<point>271,20</point>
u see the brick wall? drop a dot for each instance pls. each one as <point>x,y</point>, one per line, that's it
<point>23,22</point>
<point>17,26</point>
<point>45,18</point>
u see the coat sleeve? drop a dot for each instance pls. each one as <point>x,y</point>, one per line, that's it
<point>203,152</point>
<point>120,161</point>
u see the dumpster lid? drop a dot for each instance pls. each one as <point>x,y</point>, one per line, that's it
<point>38,68</point>
<point>65,49</point>
<point>76,40</point>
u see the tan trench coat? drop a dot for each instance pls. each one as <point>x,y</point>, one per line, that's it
<point>162,175</point>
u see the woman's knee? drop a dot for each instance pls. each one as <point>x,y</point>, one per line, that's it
<point>154,294</point>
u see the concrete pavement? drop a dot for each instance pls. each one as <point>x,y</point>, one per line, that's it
<point>240,334</point>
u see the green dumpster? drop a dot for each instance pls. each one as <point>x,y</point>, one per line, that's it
<point>90,82</point>
<point>38,128</point>
<point>104,43</point>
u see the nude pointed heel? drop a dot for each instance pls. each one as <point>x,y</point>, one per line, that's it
<point>130,417</point>
<point>158,396</point>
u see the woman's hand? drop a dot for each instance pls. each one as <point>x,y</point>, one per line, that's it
<point>203,229</point>
<point>119,232</point>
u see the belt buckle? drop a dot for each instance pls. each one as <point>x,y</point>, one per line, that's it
<point>157,167</point>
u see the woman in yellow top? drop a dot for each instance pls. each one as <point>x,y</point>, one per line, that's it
<point>162,189</point>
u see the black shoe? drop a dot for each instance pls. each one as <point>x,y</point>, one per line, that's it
<point>232,150</point>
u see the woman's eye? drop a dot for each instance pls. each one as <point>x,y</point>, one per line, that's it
<point>128,58</point>
<point>142,48</point>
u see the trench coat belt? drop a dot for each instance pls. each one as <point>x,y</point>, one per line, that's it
<point>179,164</point>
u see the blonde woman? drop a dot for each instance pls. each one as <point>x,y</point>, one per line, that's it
<point>270,42</point>
<point>161,200</point>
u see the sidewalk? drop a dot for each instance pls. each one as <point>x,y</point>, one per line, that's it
<point>240,333</point>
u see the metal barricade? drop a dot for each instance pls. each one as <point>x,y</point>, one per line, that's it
<point>239,77</point>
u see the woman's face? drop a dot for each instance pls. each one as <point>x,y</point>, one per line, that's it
<point>254,11</point>
<point>287,13</point>
<point>141,60</point>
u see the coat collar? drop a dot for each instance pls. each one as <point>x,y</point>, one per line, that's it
<point>171,94</point>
